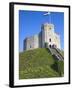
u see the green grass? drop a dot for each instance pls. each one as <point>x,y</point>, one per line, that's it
<point>39,63</point>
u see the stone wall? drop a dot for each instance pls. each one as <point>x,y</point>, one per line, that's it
<point>49,36</point>
<point>31,42</point>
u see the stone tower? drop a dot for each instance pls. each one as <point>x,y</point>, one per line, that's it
<point>49,36</point>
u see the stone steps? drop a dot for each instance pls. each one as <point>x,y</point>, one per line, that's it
<point>56,53</point>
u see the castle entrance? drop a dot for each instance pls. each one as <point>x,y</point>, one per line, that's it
<point>50,45</point>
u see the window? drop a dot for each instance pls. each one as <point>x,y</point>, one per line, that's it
<point>50,40</point>
<point>30,46</point>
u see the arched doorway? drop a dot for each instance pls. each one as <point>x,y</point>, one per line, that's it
<point>50,45</point>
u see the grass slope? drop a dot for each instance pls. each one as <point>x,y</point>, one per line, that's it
<point>39,63</point>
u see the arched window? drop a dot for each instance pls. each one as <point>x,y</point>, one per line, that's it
<point>50,46</point>
<point>50,40</point>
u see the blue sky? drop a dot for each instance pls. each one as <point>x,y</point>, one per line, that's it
<point>30,24</point>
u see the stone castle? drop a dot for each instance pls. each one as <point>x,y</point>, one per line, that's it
<point>46,38</point>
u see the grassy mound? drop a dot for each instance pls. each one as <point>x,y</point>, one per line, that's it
<point>39,63</point>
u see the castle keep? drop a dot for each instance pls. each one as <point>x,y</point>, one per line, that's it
<point>46,37</point>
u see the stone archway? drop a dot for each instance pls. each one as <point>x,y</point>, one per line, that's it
<point>50,46</point>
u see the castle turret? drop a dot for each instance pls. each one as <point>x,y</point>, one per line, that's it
<point>47,34</point>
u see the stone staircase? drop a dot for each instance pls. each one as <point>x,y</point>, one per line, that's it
<point>56,53</point>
